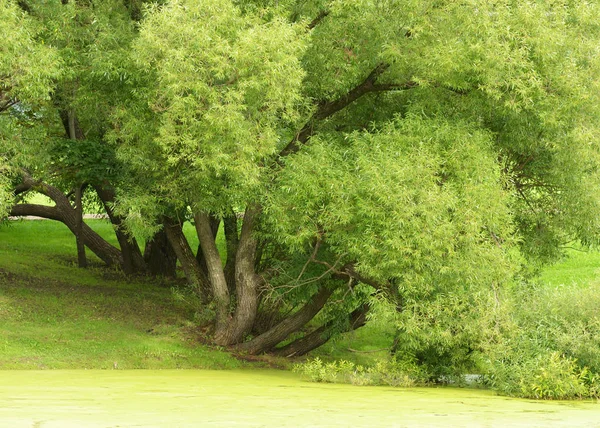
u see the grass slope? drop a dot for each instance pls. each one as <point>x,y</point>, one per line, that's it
<point>54,315</point>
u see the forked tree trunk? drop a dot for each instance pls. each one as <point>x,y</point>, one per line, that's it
<point>133,261</point>
<point>321,335</point>
<point>186,257</point>
<point>268,340</point>
<point>246,281</point>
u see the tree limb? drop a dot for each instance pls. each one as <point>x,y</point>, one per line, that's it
<point>329,108</point>
<point>318,19</point>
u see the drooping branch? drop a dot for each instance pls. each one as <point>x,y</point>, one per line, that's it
<point>35,210</point>
<point>67,215</point>
<point>106,252</point>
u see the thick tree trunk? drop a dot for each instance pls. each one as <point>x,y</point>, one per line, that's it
<point>81,258</point>
<point>232,240</point>
<point>321,335</point>
<point>186,257</point>
<point>133,261</point>
<point>159,256</point>
<point>291,324</point>
<point>214,227</point>
<point>216,275</point>
<point>246,283</point>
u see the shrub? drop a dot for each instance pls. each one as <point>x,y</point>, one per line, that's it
<point>551,350</point>
<point>389,373</point>
<point>545,376</point>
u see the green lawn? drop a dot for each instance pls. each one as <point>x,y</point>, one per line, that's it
<point>55,315</point>
<point>579,267</point>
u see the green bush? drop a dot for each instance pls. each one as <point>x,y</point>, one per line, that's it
<point>545,376</point>
<point>551,347</point>
<point>389,373</point>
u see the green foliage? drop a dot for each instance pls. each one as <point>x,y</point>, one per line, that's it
<point>84,161</point>
<point>27,71</point>
<point>420,201</point>
<point>54,315</point>
<point>27,68</point>
<point>217,101</point>
<point>545,376</point>
<point>551,344</point>
<point>342,371</point>
<point>444,147</point>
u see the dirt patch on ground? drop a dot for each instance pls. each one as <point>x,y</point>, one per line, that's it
<point>7,277</point>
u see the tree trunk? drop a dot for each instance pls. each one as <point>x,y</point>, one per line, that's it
<point>133,261</point>
<point>321,335</point>
<point>159,256</point>
<point>185,255</point>
<point>232,240</point>
<point>281,331</point>
<point>216,275</point>
<point>246,282</point>
<point>81,258</point>
<point>214,227</point>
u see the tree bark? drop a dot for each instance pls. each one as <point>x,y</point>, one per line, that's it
<point>133,261</point>
<point>214,227</point>
<point>216,275</point>
<point>321,335</point>
<point>43,211</point>
<point>159,256</point>
<point>281,331</point>
<point>246,281</point>
<point>185,255</point>
<point>232,240</point>
<point>81,258</point>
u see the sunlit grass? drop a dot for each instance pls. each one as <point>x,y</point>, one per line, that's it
<point>579,267</point>
<point>55,315</point>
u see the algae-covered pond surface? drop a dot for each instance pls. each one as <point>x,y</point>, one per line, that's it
<point>264,398</point>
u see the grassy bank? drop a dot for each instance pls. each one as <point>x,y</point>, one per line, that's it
<point>55,315</point>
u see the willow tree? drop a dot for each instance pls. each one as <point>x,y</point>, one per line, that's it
<point>27,70</point>
<point>414,149</point>
<point>74,57</point>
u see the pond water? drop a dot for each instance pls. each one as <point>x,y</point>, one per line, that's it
<point>258,398</point>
